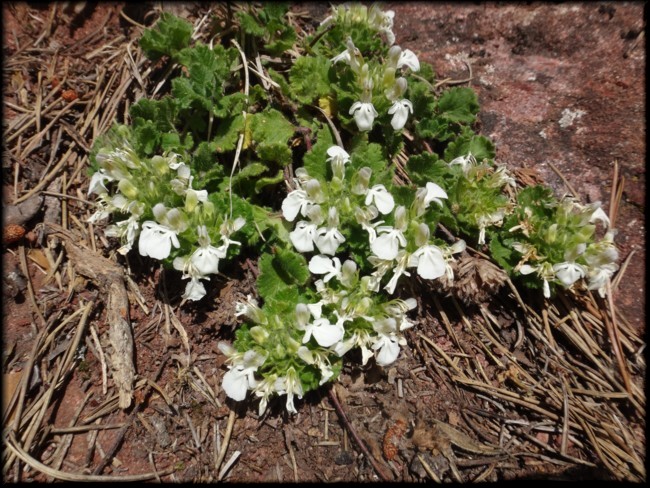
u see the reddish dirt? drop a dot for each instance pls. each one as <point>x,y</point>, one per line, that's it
<point>573,97</point>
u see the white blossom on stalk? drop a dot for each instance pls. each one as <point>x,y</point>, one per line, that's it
<point>398,58</point>
<point>433,194</point>
<point>194,290</point>
<point>251,310</point>
<point>338,157</point>
<point>364,216</point>
<point>383,22</point>
<point>97,180</point>
<point>263,390</point>
<point>329,238</point>
<point>387,343</point>
<point>569,271</point>
<point>360,339</point>
<point>403,260</point>
<point>291,385</point>
<point>126,230</point>
<point>351,56</point>
<point>330,267</point>
<point>303,235</point>
<point>364,114</point>
<point>241,375</point>
<point>156,240</point>
<point>430,262</point>
<point>544,271</point>
<point>465,162</point>
<point>389,239</point>
<point>400,111</point>
<point>381,197</point>
<point>301,200</point>
<point>206,258</point>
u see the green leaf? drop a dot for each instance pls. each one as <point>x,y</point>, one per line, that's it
<point>268,180</point>
<point>227,133</point>
<point>372,156</point>
<point>481,147</point>
<point>275,152</point>
<point>309,79</point>
<point>315,161</point>
<point>170,35</point>
<point>147,138</point>
<point>271,127</point>
<point>459,104</point>
<point>250,25</point>
<point>281,271</point>
<point>427,167</point>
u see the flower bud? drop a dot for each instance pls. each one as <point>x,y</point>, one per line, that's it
<point>259,334</point>
<point>361,181</point>
<point>128,189</point>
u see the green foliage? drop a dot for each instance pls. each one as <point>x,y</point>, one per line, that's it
<point>170,35</point>
<point>309,77</point>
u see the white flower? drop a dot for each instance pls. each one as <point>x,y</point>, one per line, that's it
<point>359,339</point>
<point>156,240</point>
<point>251,310</point>
<point>351,56</point>
<point>465,162</point>
<point>241,376</point>
<point>600,276</point>
<point>400,109</point>
<point>364,115</point>
<point>126,230</point>
<point>320,264</point>
<point>433,194</point>
<point>430,262</point>
<point>409,59</point>
<point>598,215</point>
<point>382,199</point>
<point>97,182</point>
<point>544,271</point>
<point>569,272</point>
<point>302,237</point>
<point>319,359</point>
<point>329,238</point>
<point>194,290</point>
<point>296,201</point>
<point>388,242</point>
<point>403,260</point>
<point>387,343</point>
<point>338,157</point>
<point>206,258</point>
<point>364,216</point>
<point>263,391</point>
<point>325,333</point>
<point>289,384</point>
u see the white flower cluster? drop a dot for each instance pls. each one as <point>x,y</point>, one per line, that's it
<point>347,316</point>
<point>374,17</point>
<point>365,203</point>
<point>143,185</point>
<point>595,262</point>
<point>369,77</point>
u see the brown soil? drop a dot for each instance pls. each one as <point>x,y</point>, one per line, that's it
<point>562,95</point>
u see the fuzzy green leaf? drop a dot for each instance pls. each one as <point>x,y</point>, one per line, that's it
<point>315,161</point>
<point>459,104</point>
<point>170,35</point>
<point>283,270</point>
<point>481,147</point>
<point>309,79</point>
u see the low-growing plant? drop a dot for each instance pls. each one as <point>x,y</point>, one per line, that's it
<point>197,175</point>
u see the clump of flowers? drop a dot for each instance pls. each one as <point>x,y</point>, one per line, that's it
<point>187,186</point>
<point>155,204</point>
<point>555,243</point>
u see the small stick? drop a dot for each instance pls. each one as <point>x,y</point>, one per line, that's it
<point>339,409</point>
